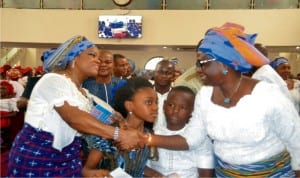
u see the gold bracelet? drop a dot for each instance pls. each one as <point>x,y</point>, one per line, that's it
<point>149,139</point>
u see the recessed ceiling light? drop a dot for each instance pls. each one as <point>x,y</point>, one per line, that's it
<point>297,47</point>
<point>165,47</point>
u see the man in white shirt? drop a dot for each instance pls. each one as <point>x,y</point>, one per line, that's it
<point>163,75</point>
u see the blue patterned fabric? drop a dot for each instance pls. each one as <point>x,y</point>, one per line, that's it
<point>276,166</point>
<point>98,89</point>
<point>99,143</point>
<point>224,53</point>
<point>276,62</point>
<point>133,162</point>
<point>47,54</point>
<point>231,46</point>
<point>32,155</point>
<point>65,53</point>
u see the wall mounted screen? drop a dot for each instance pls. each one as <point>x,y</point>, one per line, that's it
<point>120,26</point>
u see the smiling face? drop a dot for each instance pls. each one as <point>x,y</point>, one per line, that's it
<point>106,63</point>
<point>284,70</point>
<point>88,62</point>
<point>178,109</point>
<point>209,69</point>
<point>143,104</point>
<point>120,67</point>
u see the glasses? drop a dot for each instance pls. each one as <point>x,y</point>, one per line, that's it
<point>201,63</point>
<point>209,67</point>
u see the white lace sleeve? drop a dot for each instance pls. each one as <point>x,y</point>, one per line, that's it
<point>52,91</point>
<point>195,133</point>
<point>56,90</point>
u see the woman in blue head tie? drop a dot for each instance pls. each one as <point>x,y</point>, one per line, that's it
<point>283,68</point>
<point>255,128</point>
<point>49,143</point>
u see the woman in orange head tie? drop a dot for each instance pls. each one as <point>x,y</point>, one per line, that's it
<point>253,125</point>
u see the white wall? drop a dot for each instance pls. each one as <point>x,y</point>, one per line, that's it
<point>276,27</point>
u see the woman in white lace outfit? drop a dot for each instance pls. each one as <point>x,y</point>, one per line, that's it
<point>58,112</point>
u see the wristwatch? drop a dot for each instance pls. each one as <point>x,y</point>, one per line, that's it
<point>122,3</point>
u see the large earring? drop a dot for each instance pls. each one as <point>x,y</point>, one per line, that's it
<point>129,113</point>
<point>224,71</point>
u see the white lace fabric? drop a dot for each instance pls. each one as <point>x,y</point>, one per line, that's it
<point>53,90</point>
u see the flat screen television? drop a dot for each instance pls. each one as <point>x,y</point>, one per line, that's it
<point>120,26</point>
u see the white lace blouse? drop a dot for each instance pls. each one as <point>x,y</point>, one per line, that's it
<point>53,90</point>
<point>261,125</point>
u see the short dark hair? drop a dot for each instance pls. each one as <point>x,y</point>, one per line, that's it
<point>162,62</point>
<point>117,56</point>
<point>183,89</point>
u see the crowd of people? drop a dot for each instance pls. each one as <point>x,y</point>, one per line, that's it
<point>235,113</point>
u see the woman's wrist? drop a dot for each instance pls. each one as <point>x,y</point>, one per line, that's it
<point>149,138</point>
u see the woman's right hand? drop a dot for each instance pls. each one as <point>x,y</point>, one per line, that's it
<point>130,139</point>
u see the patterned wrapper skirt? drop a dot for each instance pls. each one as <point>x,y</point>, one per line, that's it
<point>32,155</point>
<point>276,166</point>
